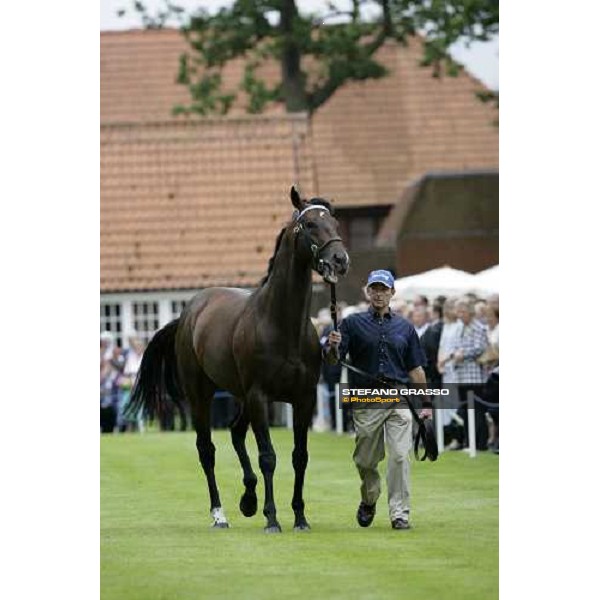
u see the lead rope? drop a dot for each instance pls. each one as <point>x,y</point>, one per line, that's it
<point>420,425</point>
<point>333,307</point>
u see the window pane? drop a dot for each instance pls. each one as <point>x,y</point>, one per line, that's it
<point>177,307</point>
<point>110,320</point>
<point>362,233</point>
<point>145,319</point>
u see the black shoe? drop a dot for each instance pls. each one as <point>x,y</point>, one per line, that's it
<point>365,514</point>
<point>400,524</point>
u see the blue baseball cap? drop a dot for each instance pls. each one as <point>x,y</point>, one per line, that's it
<point>381,276</point>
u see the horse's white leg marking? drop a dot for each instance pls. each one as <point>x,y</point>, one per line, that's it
<point>218,516</point>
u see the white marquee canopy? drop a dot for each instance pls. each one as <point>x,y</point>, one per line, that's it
<point>446,281</point>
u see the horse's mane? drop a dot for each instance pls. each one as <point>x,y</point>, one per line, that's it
<point>272,259</point>
<point>314,201</point>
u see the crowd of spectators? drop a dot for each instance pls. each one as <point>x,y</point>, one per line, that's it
<point>460,339</point>
<point>118,369</point>
<point>459,336</point>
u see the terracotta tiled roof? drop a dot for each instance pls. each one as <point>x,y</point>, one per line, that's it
<point>188,205</point>
<point>374,137</point>
<point>169,183</point>
<point>138,69</point>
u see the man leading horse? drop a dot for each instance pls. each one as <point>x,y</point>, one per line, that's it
<point>385,345</point>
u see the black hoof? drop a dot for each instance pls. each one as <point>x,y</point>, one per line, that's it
<point>302,527</point>
<point>273,528</point>
<point>220,526</point>
<point>248,504</point>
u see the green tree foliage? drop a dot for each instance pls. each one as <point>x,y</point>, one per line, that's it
<point>340,45</point>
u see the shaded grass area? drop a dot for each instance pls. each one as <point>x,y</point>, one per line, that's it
<point>156,540</point>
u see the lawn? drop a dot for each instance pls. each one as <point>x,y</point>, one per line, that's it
<point>156,540</point>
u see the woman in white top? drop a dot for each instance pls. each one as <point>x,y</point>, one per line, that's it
<point>450,333</point>
<point>133,359</point>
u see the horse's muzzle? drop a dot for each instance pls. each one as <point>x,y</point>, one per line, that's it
<point>336,265</point>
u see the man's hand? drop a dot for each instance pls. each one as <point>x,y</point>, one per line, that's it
<point>459,356</point>
<point>331,351</point>
<point>417,376</point>
<point>334,339</point>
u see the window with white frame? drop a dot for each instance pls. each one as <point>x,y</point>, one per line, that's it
<point>177,307</point>
<point>145,319</point>
<point>110,320</point>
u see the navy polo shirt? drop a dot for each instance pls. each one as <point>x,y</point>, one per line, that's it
<point>386,346</point>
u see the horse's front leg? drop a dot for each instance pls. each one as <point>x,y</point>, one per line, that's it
<point>259,418</point>
<point>303,412</point>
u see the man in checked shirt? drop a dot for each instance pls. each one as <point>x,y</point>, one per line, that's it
<point>469,345</point>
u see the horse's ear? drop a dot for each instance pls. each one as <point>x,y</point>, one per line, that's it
<point>295,198</point>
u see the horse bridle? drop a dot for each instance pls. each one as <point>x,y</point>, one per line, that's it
<point>315,249</point>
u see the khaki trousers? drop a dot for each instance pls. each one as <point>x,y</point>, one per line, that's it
<point>392,428</point>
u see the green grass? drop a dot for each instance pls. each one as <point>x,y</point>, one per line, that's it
<point>156,540</point>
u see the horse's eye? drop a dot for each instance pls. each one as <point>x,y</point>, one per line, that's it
<point>310,225</point>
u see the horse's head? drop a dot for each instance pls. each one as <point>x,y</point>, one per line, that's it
<point>316,232</point>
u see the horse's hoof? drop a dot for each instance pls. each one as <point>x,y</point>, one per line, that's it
<point>302,527</point>
<point>218,517</point>
<point>248,505</point>
<point>273,529</point>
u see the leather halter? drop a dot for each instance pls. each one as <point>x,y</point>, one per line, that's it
<point>315,249</point>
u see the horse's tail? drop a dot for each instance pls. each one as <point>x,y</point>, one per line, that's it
<point>157,382</point>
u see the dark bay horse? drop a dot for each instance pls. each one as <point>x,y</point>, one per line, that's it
<point>261,347</point>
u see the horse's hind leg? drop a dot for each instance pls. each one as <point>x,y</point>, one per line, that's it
<point>200,394</point>
<point>239,428</point>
